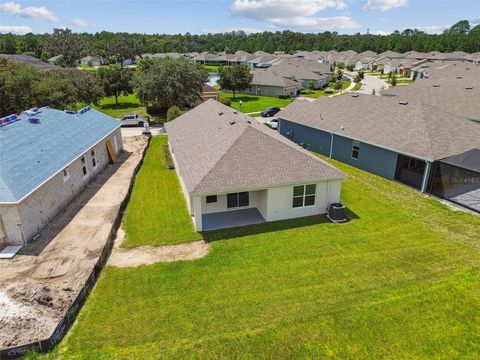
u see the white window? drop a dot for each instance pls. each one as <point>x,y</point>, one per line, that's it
<point>355,149</point>
<point>304,195</point>
<point>94,159</point>
<point>66,174</point>
<point>84,166</point>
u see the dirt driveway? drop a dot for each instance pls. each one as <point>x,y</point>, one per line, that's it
<point>39,284</point>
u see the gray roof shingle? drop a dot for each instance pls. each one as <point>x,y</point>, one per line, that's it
<point>219,150</point>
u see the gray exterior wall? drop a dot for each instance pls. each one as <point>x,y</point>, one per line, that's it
<point>372,158</point>
<point>265,90</point>
<point>24,220</point>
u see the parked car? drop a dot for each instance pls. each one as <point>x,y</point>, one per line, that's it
<point>269,112</point>
<point>273,124</point>
<point>133,120</point>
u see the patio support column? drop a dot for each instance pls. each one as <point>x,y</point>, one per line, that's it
<point>197,212</point>
<point>426,174</point>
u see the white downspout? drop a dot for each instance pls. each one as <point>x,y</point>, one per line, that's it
<point>331,145</point>
<point>425,177</point>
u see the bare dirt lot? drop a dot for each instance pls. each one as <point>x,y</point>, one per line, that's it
<point>39,284</point>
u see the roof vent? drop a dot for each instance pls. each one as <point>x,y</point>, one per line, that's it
<point>469,87</point>
<point>459,77</point>
<point>355,95</point>
<point>71,112</point>
<point>342,127</point>
<point>235,112</point>
<point>220,113</point>
<point>403,102</point>
<point>231,122</point>
<point>84,110</point>
<point>249,122</point>
<point>34,120</point>
<point>436,85</point>
<point>33,111</point>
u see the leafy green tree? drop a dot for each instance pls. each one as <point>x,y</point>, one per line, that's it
<point>88,89</point>
<point>393,81</point>
<point>64,42</point>
<point>311,86</point>
<point>115,81</point>
<point>235,78</point>
<point>173,113</point>
<point>166,82</point>
<point>122,48</point>
<point>339,75</point>
<point>54,90</point>
<point>460,28</point>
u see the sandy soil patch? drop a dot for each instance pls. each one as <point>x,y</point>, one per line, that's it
<point>39,284</point>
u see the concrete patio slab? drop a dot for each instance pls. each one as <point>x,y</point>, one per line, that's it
<point>229,219</point>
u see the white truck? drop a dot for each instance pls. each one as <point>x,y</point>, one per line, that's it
<point>133,120</point>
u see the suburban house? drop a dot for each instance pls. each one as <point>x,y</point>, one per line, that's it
<point>48,157</point>
<point>92,61</point>
<point>235,171</point>
<point>268,82</point>
<point>29,60</point>
<point>55,59</point>
<point>208,92</point>
<point>399,138</point>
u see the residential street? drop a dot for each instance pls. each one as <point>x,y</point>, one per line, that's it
<point>371,83</point>
<point>155,129</point>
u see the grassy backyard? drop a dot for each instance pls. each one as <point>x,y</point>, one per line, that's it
<point>127,104</point>
<point>254,103</point>
<point>157,213</point>
<point>400,280</point>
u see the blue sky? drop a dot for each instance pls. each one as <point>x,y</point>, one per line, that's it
<point>202,16</point>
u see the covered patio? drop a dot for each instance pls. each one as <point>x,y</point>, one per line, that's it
<point>229,219</point>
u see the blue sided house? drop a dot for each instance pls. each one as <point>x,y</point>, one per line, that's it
<point>398,140</point>
<point>47,157</point>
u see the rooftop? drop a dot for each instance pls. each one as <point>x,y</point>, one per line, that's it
<point>34,152</point>
<point>219,150</point>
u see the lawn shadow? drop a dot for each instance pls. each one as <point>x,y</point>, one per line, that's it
<point>280,225</point>
<point>65,216</point>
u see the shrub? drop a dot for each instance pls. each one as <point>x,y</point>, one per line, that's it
<point>226,101</point>
<point>328,91</point>
<point>350,67</point>
<point>338,86</point>
<point>167,157</point>
<point>173,113</point>
<point>284,96</point>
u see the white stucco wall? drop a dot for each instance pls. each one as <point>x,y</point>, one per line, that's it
<point>188,199</point>
<point>42,205</point>
<point>273,203</point>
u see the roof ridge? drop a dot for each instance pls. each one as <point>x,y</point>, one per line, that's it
<point>223,155</point>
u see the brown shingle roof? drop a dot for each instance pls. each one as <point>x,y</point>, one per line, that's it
<point>218,150</point>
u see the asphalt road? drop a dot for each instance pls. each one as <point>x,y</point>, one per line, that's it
<point>371,83</point>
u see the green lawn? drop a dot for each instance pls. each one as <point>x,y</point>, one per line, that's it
<point>211,68</point>
<point>400,280</point>
<point>126,105</point>
<point>357,86</point>
<point>157,212</point>
<point>254,103</point>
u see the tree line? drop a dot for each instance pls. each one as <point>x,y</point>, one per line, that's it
<point>461,36</point>
<point>159,84</point>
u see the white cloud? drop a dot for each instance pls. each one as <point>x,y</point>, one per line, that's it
<point>381,32</point>
<point>433,29</point>
<point>15,29</point>
<point>384,5</point>
<point>295,14</point>
<point>31,12</point>
<point>79,22</point>
<point>247,30</point>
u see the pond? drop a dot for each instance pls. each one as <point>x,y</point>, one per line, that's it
<point>213,79</point>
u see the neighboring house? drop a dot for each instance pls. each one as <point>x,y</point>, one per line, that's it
<point>235,171</point>
<point>304,71</point>
<point>48,157</point>
<point>363,63</point>
<point>387,135</point>
<point>30,60</point>
<point>55,59</point>
<point>268,82</point>
<point>208,93</point>
<point>240,58</point>
<point>92,60</point>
